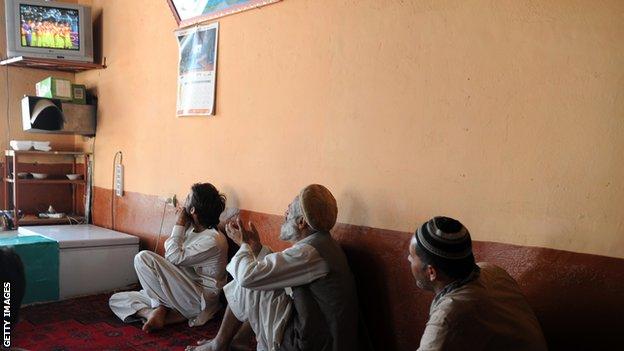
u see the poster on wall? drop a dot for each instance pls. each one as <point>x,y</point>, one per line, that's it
<point>197,70</point>
<point>189,12</point>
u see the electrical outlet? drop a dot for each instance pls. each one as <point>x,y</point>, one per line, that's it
<point>119,180</point>
<point>172,200</point>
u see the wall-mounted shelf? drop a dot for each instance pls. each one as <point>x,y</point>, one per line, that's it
<point>12,166</point>
<point>34,152</point>
<point>50,64</point>
<point>45,181</point>
<point>34,220</point>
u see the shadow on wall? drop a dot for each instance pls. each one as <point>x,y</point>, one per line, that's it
<point>395,309</point>
<point>576,297</point>
<point>232,197</point>
<point>376,262</point>
<point>352,207</point>
<point>98,36</point>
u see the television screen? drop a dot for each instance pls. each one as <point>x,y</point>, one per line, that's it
<point>49,27</point>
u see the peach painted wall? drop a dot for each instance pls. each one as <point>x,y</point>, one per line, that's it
<point>507,115</point>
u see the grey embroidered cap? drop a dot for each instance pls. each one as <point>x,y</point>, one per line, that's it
<point>444,237</point>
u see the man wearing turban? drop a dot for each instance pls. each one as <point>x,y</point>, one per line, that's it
<point>302,298</point>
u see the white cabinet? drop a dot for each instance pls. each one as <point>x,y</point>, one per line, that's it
<point>91,259</point>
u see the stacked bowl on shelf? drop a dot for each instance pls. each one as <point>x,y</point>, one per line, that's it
<point>24,145</point>
<point>42,145</point>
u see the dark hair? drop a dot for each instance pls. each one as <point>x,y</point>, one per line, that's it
<point>457,269</point>
<point>12,271</point>
<point>208,204</point>
<point>453,268</point>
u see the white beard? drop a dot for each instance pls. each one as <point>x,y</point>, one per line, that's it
<point>289,231</point>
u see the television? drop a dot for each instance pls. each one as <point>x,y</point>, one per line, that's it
<point>48,29</point>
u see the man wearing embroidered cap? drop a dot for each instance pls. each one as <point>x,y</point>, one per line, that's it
<point>302,298</point>
<point>476,306</point>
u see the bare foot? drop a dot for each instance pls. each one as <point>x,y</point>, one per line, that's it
<point>237,345</point>
<point>227,331</point>
<point>207,345</point>
<point>156,319</point>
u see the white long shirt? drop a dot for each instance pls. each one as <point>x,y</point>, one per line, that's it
<point>202,256</point>
<point>488,313</point>
<point>298,265</point>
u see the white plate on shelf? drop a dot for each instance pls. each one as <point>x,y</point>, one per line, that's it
<point>21,145</point>
<point>74,176</point>
<point>39,175</point>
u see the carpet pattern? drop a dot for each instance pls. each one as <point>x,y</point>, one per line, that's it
<point>86,323</point>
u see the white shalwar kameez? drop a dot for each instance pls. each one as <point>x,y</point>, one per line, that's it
<point>258,292</point>
<point>188,279</point>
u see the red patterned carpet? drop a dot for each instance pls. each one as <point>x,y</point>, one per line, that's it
<point>87,323</point>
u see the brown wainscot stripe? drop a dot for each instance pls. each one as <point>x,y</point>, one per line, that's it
<point>577,297</point>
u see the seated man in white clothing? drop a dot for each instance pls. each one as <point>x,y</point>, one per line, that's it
<point>322,312</point>
<point>476,306</point>
<point>185,284</point>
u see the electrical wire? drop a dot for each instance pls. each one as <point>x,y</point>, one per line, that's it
<point>162,220</point>
<point>78,221</point>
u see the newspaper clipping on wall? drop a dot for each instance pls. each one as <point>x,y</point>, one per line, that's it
<point>197,70</point>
